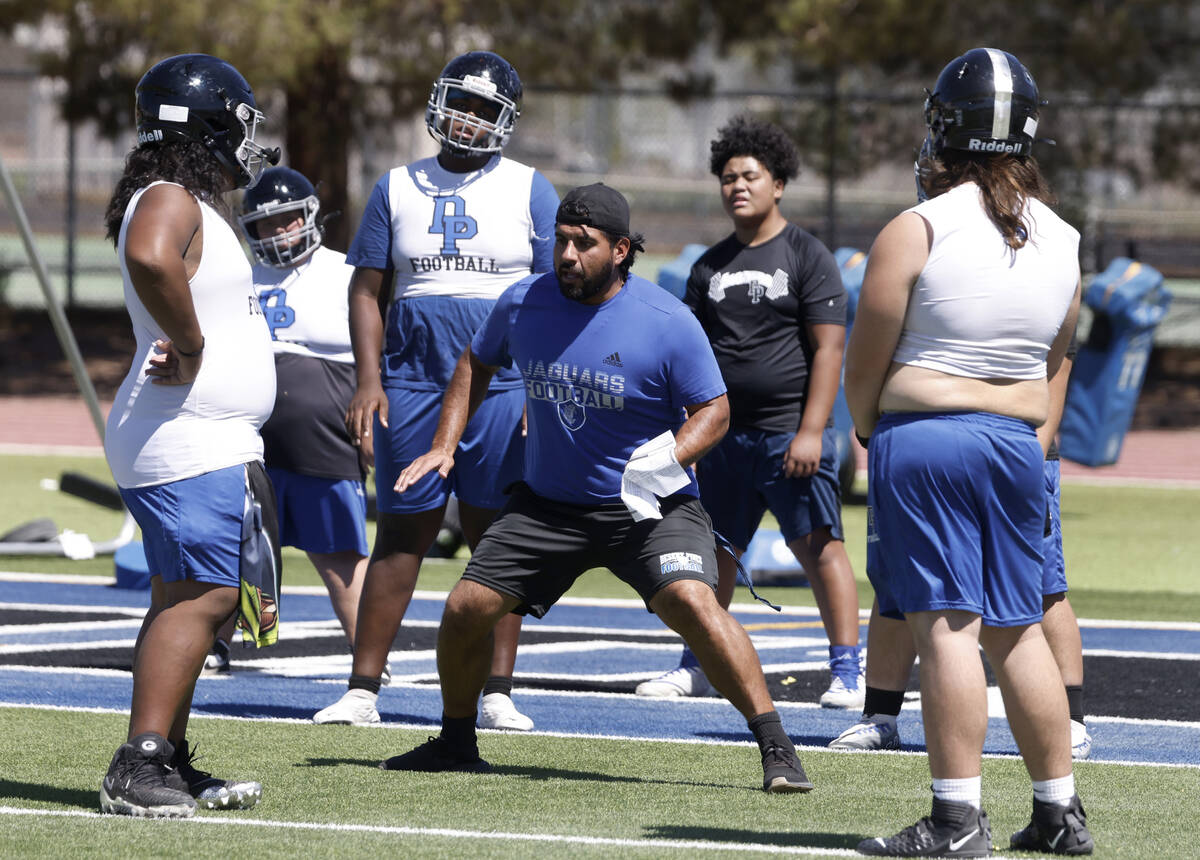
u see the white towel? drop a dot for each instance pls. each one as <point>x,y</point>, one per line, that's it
<point>652,471</point>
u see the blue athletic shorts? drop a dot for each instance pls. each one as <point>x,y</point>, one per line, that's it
<point>490,457</point>
<point>193,529</point>
<point>956,516</point>
<point>536,548</point>
<point>743,476</point>
<point>320,514</point>
<point>1054,565</point>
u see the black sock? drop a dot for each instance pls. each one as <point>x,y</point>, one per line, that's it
<point>768,729</point>
<point>221,648</point>
<point>459,732</point>
<point>1075,702</point>
<point>877,701</point>
<point>362,682</point>
<point>498,684</point>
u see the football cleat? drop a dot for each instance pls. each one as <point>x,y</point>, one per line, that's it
<point>139,781</point>
<point>678,683</point>
<point>436,755</point>
<point>354,708</point>
<point>1081,741</point>
<point>1056,829</point>
<point>497,711</point>
<point>209,791</point>
<point>953,829</point>
<point>869,733</point>
<point>843,694</point>
<point>782,771</point>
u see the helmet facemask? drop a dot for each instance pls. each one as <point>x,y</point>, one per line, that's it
<point>283,250</point>
<point>456,102</point>
<point>252,158</point>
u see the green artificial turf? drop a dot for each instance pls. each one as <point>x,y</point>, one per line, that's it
<point>1131,552</point>
<point>564,790</point>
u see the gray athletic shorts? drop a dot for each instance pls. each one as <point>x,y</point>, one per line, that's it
<point>536,548</point>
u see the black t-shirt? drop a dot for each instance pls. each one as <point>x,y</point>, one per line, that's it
<point>754,304</point>
<point>306,433</point>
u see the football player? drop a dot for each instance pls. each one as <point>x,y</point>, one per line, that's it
<point>443,236</point>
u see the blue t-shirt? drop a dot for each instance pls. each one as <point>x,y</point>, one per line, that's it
<point>453,243</point>
<point>600,380</point>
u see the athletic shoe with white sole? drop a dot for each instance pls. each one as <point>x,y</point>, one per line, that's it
<point>1081,741</point>
<point>354,708</point>
<point>678,683</point>
<point>139,781</point>
<point>869,733</point>
<point>497,711</point>
<point>1056,829</point>
<point>209,791</point>
<point>846,693</point>
<point>953,829</point>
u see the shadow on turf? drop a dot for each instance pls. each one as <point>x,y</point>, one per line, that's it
<point>539,773</point>
<point>49,794</point>
<point>740,837</point>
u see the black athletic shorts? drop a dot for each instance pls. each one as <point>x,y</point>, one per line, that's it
<point>536,548</point>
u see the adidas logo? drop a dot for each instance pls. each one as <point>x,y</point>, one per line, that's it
<point>613,360</point>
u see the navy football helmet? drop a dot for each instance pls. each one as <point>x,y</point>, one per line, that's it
<point>478,95</point>
<point>201,98</point>
<point>984,101</point>
<point>280,191</point>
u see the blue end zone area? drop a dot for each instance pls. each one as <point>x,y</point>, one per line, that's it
<point>69,644</point>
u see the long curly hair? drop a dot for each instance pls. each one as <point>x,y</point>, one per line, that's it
<point>184,162</point>
<point>1006,182</point>
<point>763,141</point>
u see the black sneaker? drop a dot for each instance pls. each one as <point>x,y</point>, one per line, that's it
<point>436,755</point>
<point>782,771</point>
<point>1056,829</point>
<point>138,781</point>
<point>209,791</point>
<point>954,829</point>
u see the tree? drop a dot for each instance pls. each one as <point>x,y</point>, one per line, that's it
<point>336,68</point>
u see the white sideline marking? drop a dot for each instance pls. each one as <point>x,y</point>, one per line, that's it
<point>678,844</point>
<point>1149,655</point>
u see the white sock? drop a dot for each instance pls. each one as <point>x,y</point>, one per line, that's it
<point>1058,791</point>
<point>881,718</point>
<point>360,693</point>
<point>969,789</point>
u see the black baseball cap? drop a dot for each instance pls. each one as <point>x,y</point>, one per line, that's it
<point>597,206</point>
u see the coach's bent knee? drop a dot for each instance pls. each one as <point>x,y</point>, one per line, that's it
<point>473,607</point>
<point>685,601</point>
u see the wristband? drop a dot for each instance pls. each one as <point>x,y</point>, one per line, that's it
<point>192,354</point>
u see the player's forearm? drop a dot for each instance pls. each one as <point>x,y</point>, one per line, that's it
<point>824,378</point>
<point>468,386</point>
<point>705,425</point>
<point>366,336</point>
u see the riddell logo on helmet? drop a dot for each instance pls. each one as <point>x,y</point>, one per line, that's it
<point>150,136</point>
<point>976,145</point>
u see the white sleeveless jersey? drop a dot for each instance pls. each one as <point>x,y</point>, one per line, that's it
<point>162,433</point>
<point>464,235</point>
<point>307,307</point>
<point>978,309</point>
